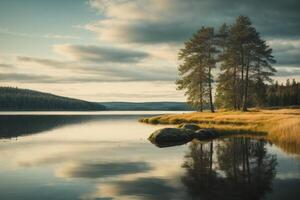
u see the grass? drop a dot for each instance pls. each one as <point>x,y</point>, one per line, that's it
<point>280,126</point>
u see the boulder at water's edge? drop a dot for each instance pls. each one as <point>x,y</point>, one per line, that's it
<point>171,136</point>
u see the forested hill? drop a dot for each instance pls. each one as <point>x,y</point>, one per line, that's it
<point>15,99</point>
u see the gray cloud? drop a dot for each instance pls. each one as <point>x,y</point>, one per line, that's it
<point>6,66</point>
<point>140,74</point>
<point>43,61</point>
<point>26,78</point>
<point>159,32</point>
<point>158,22</point>
<point>106,74</point>
<point>176,20</point>
<point>290,72</point>
<point>109,79</point>
<point>97,72</point>
<point>100,54</point>
<point>288,58</point>
<point>286,52</point>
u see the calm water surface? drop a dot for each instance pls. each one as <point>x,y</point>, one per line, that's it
<point>107,156</point>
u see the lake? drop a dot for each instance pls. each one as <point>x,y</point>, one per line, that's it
<point>106,155</point>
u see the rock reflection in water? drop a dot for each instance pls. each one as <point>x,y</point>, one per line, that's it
<point>240,168</point>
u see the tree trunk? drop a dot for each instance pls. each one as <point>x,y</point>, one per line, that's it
<point>210,91</point>
<point>201,97</point>
<point>242,77</point>
<point>245,99</point>
<point>209,81</point>
<point>235,92</point>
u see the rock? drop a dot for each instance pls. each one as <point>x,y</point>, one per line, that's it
<point>176,136</point>
<point>205,134</point>
<point>171,136</point>
<point>192,127</point>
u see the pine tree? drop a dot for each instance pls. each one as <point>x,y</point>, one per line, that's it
<point>294,92</point>
<point>228,81</point>
<point>284,94</point>
<point>245,62</point>
<point>198,60</point>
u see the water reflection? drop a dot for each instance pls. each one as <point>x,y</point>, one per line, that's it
<point>145,188</point>
<point>21,125</point>
<point>240,168</point>
<point>109,157</point>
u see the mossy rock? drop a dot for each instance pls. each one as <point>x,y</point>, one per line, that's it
<point>171,136</point>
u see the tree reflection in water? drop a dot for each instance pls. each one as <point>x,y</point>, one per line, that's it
<point>234,168</point>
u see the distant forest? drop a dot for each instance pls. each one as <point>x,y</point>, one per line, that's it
<point>282,95</point>
<point>176,106</point>
<point>270,95</point>
<point>29,100</point>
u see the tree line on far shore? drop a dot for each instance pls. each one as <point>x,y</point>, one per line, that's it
<point>282,94</point>
<point>244,61</point>
<point>28,100</point>
<point>270,95</point>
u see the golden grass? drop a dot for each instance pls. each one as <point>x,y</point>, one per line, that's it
<point>281,126</point>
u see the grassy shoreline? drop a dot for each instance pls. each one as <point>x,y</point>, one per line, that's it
<point>280,126</point>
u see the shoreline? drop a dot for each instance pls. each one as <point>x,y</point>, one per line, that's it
<point>280,126</point>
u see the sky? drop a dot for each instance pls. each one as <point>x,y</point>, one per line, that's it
<point>126,50</point>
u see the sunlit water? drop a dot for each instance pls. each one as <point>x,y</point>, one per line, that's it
<point>107,156</point>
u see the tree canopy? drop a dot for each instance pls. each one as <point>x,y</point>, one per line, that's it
<point>244,61</point>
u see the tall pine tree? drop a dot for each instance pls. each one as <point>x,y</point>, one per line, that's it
<point>198,59</point>
<point>245,65</point>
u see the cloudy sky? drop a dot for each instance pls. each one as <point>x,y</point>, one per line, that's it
<point>126,50</point>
